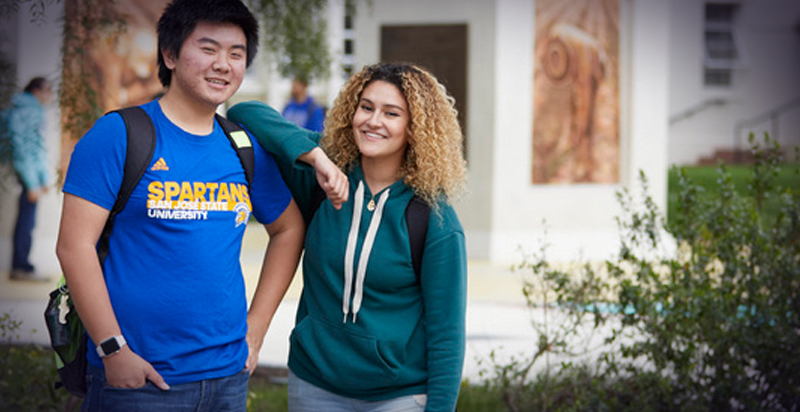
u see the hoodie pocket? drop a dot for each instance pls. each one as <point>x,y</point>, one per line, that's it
<point>343,359</point>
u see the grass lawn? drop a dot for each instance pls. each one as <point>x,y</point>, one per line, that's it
<point>707,177</point>
<point>266,396</point>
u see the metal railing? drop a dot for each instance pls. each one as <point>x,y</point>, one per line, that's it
<point>772,116</point>
<point>707,104</point>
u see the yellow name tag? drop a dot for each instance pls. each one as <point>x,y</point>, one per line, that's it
<point>241,139</point>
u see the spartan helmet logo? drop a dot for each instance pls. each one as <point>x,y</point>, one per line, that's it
<point>242,213</point>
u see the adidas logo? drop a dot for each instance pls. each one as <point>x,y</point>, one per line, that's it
<point>160,164</point>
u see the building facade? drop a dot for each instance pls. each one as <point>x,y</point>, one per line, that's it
<point>639,85</point>
<point>734,70</point>
<point>505,210</point>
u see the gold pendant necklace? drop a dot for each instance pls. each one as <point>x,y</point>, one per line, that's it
<point>371,205</point>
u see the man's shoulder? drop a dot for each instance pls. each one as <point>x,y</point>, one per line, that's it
<point>108,130</point>
<point>152,109</point>
<point>111,121</point>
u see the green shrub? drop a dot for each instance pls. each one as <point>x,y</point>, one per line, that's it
<point>710,325</point>
<point>478,398</point>
<point>721,318</point>
<point>28,374</point>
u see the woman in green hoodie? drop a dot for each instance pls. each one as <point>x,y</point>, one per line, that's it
<point>371,334</point>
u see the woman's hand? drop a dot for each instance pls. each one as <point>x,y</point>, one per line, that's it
<point>332,180</point>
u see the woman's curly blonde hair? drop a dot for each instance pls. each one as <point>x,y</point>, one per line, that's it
<point>434,165</point>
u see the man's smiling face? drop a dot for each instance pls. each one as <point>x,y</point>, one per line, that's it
<point>211,64</point>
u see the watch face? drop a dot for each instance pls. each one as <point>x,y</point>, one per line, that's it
<point>110,346</point>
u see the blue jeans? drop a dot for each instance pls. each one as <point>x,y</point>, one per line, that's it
<point>23,231</point>
<point>227,394</point>
<point>305,397</point>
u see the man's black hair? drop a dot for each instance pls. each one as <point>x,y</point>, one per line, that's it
<point>180,18</point>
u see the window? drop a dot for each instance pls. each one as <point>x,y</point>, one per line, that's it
<point>348,58</point>
<point>720,47</point>
<point>348,46</point>
<point>721,51</point>
<point>717,77</point>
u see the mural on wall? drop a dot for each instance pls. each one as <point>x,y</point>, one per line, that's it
<point>576,92</point>
<point>127,69</point>
<point>108,62</point>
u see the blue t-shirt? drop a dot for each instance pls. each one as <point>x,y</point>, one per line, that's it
<point>173,271</point>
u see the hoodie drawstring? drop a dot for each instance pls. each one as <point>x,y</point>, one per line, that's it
<point>366,249</point>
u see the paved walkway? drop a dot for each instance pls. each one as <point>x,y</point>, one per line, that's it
<point>497,318</point>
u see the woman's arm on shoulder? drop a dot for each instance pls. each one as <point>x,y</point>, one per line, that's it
<point>276,134</point>
<point>291,144</point>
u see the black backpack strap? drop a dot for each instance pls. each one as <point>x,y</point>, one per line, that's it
<point>141,138</point>
<point>317,196</point>
<point>417,215</point>
<point>242,144</point>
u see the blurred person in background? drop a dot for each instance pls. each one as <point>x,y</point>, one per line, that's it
<point>24,123</point>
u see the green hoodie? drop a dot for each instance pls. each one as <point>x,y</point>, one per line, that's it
<point>384,334</point>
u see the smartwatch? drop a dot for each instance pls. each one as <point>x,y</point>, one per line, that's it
<point>110,346</point>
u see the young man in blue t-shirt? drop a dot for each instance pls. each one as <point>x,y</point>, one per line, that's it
<point>166,311</point>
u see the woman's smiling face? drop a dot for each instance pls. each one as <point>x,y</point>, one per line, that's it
<point>380,123</point>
